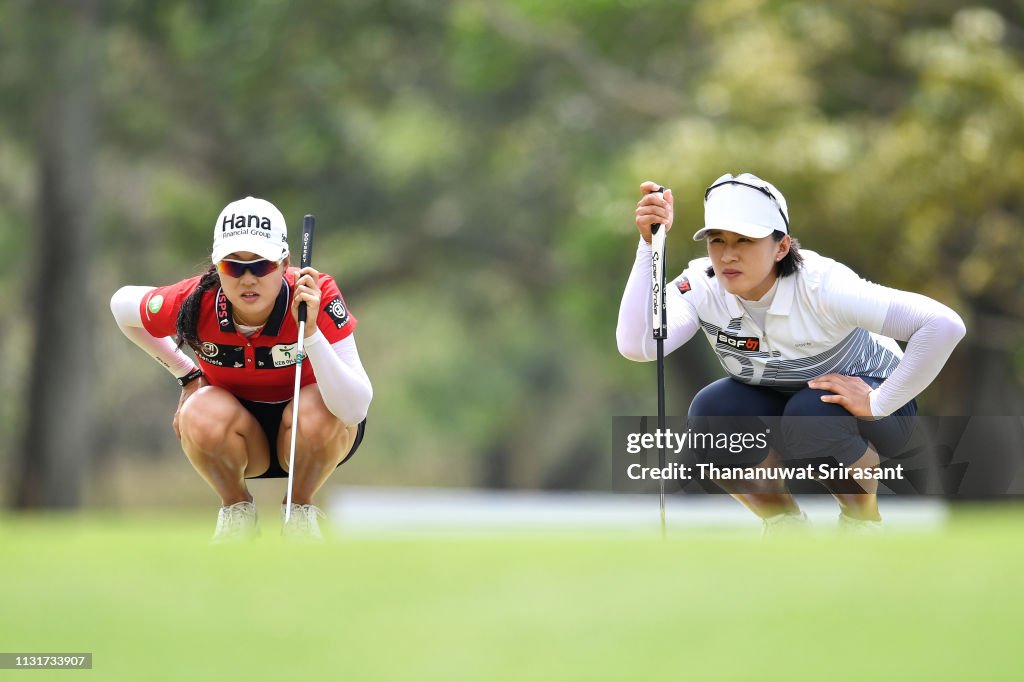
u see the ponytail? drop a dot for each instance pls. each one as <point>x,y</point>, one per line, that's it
<point>187,324</point>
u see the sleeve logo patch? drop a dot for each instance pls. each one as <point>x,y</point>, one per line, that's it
<point>155,304</point>
<point>683,285</point>
<point>336,309</point>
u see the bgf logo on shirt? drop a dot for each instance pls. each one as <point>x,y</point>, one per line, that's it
<point>750,343</point>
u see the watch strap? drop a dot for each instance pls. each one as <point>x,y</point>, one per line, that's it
<point>190,377</point>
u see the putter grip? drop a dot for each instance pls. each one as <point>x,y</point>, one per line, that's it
<point>657,226</point>
<point>658,302</point>
<point>306,259</point>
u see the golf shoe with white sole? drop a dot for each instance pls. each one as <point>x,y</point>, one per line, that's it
<point>304,525</point>
<point>851,526</point>
<point>236,523</point>
<point>785,524</point>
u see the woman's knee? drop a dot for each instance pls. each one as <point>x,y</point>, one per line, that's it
<point>317,425</point>
<point>208,416</point>
<point>717,399</point>
<point>807,403</point>
<point>812,428</point>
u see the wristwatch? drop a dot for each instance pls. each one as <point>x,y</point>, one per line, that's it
<point>191,376</point>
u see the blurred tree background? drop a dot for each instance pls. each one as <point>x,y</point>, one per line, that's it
<point>474,165</point>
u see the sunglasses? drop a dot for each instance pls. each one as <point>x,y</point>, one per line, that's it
<point>236,268</point>
<point>763,190</point>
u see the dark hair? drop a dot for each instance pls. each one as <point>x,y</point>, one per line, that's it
<point>788,265</point>
<point>187,324</point>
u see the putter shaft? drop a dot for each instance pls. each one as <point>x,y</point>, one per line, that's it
<point>295,418</point>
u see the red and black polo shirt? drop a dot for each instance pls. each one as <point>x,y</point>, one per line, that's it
<point>259,367</point>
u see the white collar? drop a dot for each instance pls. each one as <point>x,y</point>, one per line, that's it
<point>781,305</point>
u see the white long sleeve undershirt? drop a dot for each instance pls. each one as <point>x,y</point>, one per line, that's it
<point>340,376</point>
<point>635,332</point>
<point>930,329</point>
<point>125,306</point>
<point>343,382</point>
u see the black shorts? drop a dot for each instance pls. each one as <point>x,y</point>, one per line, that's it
<point>797,423</point>
<point>269,417</point>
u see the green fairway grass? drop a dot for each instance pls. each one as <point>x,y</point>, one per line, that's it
<point>151,601</point>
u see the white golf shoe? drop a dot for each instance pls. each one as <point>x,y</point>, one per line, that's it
<point>851,526</point>
<point>236,523</point>
<point>785,524</point>
<point>303,526</point>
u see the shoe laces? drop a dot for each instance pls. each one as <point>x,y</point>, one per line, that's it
<point>235,519</point>
<point>237,514</point>
<point>303,520</point>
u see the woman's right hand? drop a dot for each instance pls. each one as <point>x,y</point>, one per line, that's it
<point>653,208</point>
<point>186,393</point>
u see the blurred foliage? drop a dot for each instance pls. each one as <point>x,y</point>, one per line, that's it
<point>473,165</point>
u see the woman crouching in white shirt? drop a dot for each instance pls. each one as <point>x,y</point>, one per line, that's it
<point>800,336</point>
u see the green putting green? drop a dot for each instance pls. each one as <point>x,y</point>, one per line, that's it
<point>152,602</point>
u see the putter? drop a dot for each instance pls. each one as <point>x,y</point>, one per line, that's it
<point>306,261</point>
<point>660,332</point>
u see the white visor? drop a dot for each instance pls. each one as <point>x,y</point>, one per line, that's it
<point>739,204</point>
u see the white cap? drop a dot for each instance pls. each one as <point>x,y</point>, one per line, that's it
<point>745,204</point>
<point>250,224</point>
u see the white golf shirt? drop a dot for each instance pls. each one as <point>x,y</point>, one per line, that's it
<point>820,320</point>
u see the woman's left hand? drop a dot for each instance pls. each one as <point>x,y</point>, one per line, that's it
<point>850,393</point>
<point>307,290</point>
